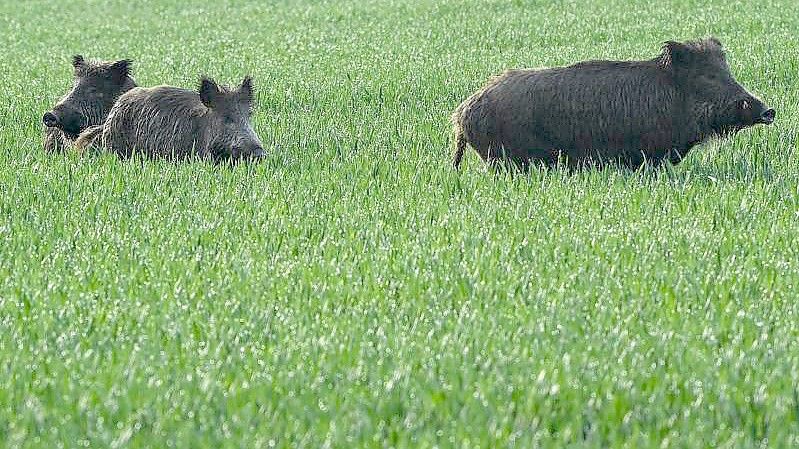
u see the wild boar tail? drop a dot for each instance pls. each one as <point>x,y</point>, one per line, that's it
<point>87,137</point>
<point>460,147</point>
<point>460,139</point>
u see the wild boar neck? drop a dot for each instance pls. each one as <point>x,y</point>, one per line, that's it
<point>694,114</point>
<point>701,116</point>
<point>204,133</point>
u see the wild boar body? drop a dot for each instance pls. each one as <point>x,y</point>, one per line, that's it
<point>596,112</point>
<point>175,123</point>
<point>580,111</point>
<point>158,121</point>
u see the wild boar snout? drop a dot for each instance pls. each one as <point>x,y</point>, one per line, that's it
<point>767,117</point>
<point>752,111</point>
<point>50,120</point>
<point>69,120</point>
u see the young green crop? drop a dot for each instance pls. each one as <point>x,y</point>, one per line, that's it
<point>355,291</point>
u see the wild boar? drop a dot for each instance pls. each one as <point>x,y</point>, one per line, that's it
<point>176,123</point>
<point>599,112</point>
<point>96,87</point>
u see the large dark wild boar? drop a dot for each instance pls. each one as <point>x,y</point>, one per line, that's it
<point>596,112</point>
<point>96,87</point>
<point>177,123</point>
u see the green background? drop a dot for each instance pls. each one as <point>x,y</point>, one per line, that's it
<point>355,291</point>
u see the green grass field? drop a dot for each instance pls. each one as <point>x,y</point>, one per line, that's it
<point>353,291</point>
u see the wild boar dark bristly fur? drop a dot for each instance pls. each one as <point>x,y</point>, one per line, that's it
<point>595,112</point>
<point>95,89</point>
<point>176,123</point>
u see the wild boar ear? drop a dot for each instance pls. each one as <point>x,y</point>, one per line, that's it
<point>209,92</point>
<point>674,53</point>
<point>120,70</point>
<point>246,90</point>
<point>78,63</point>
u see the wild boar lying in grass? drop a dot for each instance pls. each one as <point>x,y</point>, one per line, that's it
<point>595,112</point>
<point>177,123</point>
<point>96,87</point>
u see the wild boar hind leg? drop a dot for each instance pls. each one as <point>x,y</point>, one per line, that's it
<point>526,150</point>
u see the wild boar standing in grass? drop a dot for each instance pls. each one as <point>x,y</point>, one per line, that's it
<point>599,112</point>
<point>96,87</point>
<point>177,123</point>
